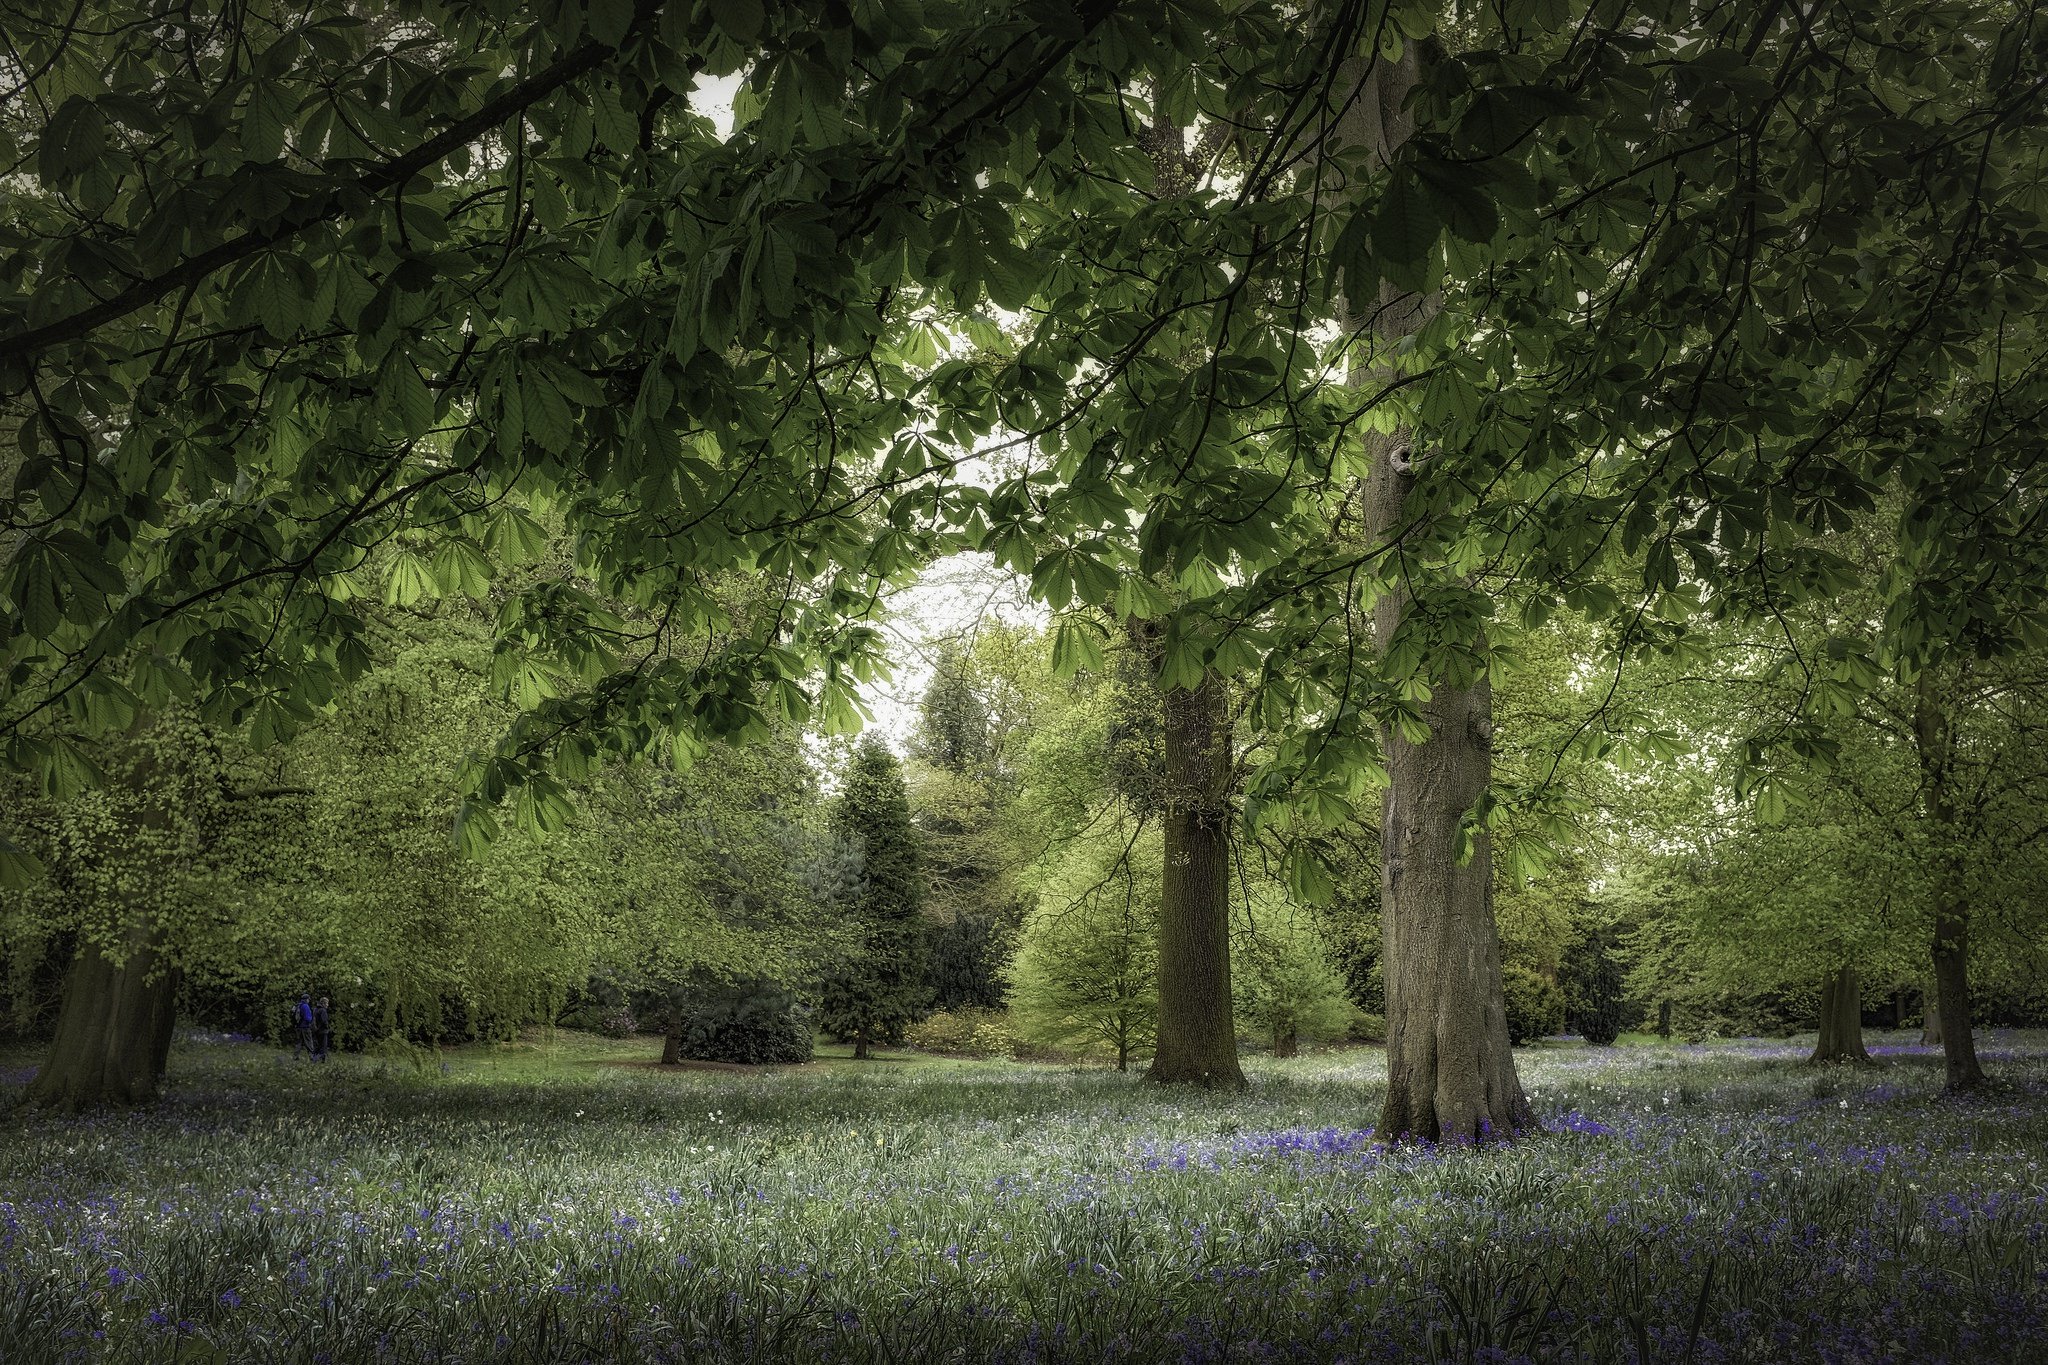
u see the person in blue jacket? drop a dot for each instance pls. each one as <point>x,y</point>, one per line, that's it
<point>302,1022</point>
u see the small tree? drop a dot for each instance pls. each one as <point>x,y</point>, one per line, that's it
<point>879,988</point>
<point>1087,970</point>
<point>1283,976</point>
<point>1535,1006</point>
<point>1595,995</point>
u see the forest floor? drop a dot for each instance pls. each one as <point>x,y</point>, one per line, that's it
<point>536,1203</point>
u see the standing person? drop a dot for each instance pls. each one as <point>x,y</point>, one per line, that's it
<point>323,1030</point>
<point>302,1025</point>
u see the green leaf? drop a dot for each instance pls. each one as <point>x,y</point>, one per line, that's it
<point>409,581</point>
<point>743,19</point>
<point>1076,646</point>
<point>406,397</point>
<point>19,870</point>
<point>461,566</point>
<point>609,20</point>
<point>1406,224</point>
<point>265,117</point>
<point>476,829</point>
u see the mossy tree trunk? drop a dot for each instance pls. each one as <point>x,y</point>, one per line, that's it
<point>1450,1070</point>
<point>1841,1020</point>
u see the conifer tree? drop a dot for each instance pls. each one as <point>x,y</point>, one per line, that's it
<point>880,987</point>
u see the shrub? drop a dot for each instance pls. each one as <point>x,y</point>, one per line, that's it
<point>1534,1002</point>
<point>967,1032</point>
<point>1367,1027</point>
<point>1595,1002</point>
<point>753,1022</point>
<point>1284,990</point>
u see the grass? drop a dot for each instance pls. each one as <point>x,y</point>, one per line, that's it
<point>540,1202</point>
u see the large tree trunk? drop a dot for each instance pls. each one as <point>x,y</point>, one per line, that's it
<point>1197,1042</point>
<point>672,1044</point>
<point>114,1026</point>
<point>1450,1070</point>
<point>113,1029</point>
<point>1286,1042</point>
<point>860,1047</point>
<point>1934,739</point>
<point>1841,1020</point>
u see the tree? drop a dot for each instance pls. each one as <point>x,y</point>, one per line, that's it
<point>880,987</point>
<point>1086,974</point>
<point>1285,984</point>
<point>452,271</point>
<point>1595,992</point>
<point>961,795</point>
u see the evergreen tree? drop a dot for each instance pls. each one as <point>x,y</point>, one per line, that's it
<point>880,987</point>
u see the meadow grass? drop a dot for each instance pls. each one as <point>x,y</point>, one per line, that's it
<point>544,1202</point>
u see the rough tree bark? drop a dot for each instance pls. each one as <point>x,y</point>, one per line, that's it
<point>113,1029</point>
<point>1950,1003</point>
<point>1841,1020</point>
<point>1197,1036</point>
<point>1450,1071</point>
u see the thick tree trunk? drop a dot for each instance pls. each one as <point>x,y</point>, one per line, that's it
<point>1952,999</point>
<point>1950,1004</point>
<point>672,1045</point>
<point>1841,1020</point>
<point>1197,1040</point>
<point>113,1029</point>
<point>1286,1043</point>
<point>860,1047</point>
<point>114,1026</point>
<point>1450,1071</point>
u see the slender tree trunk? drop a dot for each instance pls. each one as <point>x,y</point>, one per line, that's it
<point>1286,1042</point>
<point>672,1043</point>
<point>1450,1070</point>
<point>1930,1015</point>
<point>1196,1040</point>
<point>1899,1008</point>
<point>860,1047</point>
<point>113,1029</point>
<point>1197,1036</point>
<point>1950,1004</point>
<point>1841,1020</point>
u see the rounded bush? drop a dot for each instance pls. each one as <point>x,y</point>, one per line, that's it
<point>751,1022</point>
<point>1535,1004</point>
